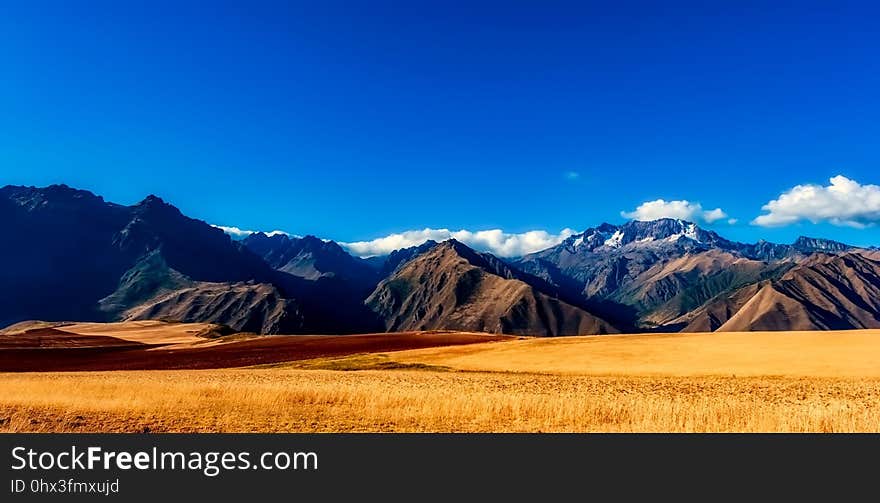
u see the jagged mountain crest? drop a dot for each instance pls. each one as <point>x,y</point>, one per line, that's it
<point>397,258</point>
<point>643,232</point>
<point>57,197</point>
<point>808,244</point>
<point>687,235</point>
<point>452,286</point>
<point>190,246</point>
<point>310,258</point>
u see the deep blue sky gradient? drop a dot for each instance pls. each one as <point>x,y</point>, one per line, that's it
<point>353,120</point>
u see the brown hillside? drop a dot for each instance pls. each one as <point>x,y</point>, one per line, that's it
<point>825,292</point>
<point>452,287</point>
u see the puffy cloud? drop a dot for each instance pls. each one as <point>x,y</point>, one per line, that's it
<point>845,202</point>
<point>237,233</point>
<point>494,241</point>
<point>684,210</point>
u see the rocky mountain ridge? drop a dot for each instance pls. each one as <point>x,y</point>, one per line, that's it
<point>71,255</point>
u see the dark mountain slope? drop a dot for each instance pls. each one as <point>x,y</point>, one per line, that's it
<point>249,307</point>
<point>190,246</point>
<point>310,258</point>
<point>72,256</point>
<point>57,258</point>
<point>399,257</point>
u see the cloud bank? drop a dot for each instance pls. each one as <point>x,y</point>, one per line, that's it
<point>494,241</point>
<point>844,202</point>
<point>684,210</point>
<point>237,233</point>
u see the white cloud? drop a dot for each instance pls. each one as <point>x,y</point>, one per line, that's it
<point>572,175</point>
<point>845,202</point>
<point>237,233</point>
<point>684,210</point>
<point>494,241</point>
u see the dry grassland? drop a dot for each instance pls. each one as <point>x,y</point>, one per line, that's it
<point>813,382</point>
<point>268,400</point>
<point>848,353</point>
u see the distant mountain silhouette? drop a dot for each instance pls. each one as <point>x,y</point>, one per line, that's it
<point>309,257</point>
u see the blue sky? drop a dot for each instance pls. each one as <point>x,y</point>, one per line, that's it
<point>356,120</point>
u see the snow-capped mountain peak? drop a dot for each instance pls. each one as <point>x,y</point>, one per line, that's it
<point>641,233</point>
<point>616,239</point>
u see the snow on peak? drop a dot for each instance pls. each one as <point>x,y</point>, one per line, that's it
<point>615,240</point>
<point>685,230</point>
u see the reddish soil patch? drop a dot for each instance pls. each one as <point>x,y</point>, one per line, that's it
<point>54,338</point>
<point>262,350</point>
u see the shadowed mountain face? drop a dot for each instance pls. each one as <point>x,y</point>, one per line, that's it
<point>453,287</point>
<point>249,307</point>
<point>397,258</point>
<point>310,258</point>
<point>192,247</point>
<point>58,258</point>
<point>152,290</point>
<point>328,284</point>
<point>76,257</point>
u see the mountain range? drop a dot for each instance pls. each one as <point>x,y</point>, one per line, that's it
<point>70,255</point>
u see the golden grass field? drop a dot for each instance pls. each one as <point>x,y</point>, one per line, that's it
<point>764,382</point>
<point>849,353</point>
